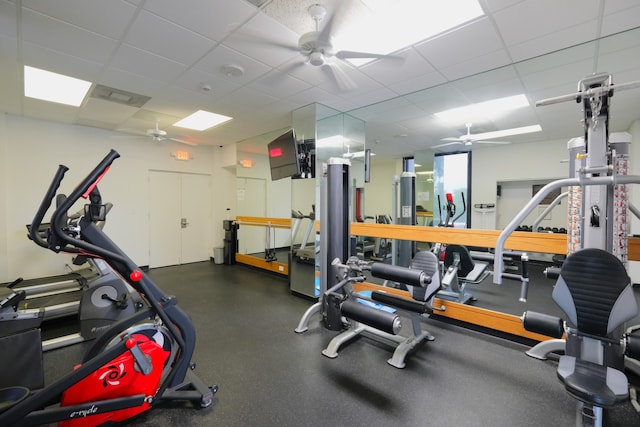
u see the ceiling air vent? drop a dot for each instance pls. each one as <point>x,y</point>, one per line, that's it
<point>119,96</point>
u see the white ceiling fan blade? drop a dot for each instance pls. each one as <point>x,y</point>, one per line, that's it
<point>447,144</point>
<point>349,54</point>
<point>326,32</point>
<point>255,37</point>
<point>343,80</point>
<point>452,138</point>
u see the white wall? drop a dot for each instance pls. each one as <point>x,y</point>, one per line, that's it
<point>515,162</point>
<point>378,192</point>
<point>30,153</point>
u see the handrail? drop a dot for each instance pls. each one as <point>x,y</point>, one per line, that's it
<point>540,195</point>
<point>549,208</point>
<point>258,221</point>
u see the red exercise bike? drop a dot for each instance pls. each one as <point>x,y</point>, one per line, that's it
<point>139,362</point>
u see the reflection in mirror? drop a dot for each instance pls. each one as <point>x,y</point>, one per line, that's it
<point>503,175</point>
<point>256,197</point>
<point>452,181</point>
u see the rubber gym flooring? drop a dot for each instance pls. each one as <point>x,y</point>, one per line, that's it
<point>270,376</point>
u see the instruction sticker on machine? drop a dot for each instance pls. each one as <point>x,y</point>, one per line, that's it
<point>406,212</point>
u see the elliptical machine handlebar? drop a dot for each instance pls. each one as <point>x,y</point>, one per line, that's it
<point>44,206</point>
<point>61,240</point>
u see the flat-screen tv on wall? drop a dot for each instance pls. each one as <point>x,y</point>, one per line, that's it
<point>283,156</point>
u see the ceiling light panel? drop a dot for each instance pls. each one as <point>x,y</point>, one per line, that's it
<point>202,120</point>
<point>483,111</point>
<point>54,87</point>
<point>384,27</point>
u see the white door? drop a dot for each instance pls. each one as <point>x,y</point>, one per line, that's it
<point>179,218</point>
<point>252,201</point>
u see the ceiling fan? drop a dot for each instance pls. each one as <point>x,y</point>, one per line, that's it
<point>316,47</point>
<point>158,134</point>
<point>468,139</point>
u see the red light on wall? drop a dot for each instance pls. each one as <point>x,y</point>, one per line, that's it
<point>275,152</point>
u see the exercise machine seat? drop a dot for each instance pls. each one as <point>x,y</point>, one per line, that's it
<point>469,270</point>
<point>427,262</point>
<point>595,293</point>
<point>466,262</point>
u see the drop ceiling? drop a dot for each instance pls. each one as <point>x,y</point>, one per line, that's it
<point>175,53</point>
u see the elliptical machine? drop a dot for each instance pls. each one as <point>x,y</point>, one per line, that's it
<point>139,362</point>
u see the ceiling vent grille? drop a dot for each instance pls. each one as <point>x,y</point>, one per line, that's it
<point>119,96</point>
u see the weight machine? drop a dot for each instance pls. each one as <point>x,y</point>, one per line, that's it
<point>338,304</point>
<point>592,367</point>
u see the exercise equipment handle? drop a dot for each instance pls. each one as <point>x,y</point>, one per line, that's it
<point>378,319</point>
<point>84,189</point>
<point>401,303</point>
<point>408,276</point>
<point>544,324</point>
<point>88,183</point>
<point>633,346</point>
<point>44,206</point>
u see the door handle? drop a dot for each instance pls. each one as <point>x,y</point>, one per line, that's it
<point>183,223</point>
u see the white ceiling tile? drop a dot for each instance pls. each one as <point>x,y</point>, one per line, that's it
<point>277,84</point>
<point>473,40</point>
<point>104,111</point>
<point>313,95</point>
<point>131,82</point>
<point>245,98</point>
<point>179,102</point>
<point>567,73</point>
<point>614,6</point>
<point>476,65</point>
<point>553,60</point>
<point>621,20</point>
<point>37,56</point>
<point>211,19</point>
<point>49,111</point>
<point>66,38</point>
<point>265,40</point>
<point>143,63</point>
<point>109,18</point>
<point>195,79</point>
<point>371,96</point>
<point>489,78</point>
<point>214,61</point>
<point>495,5</point>
<point>171,41</point>
<point>419,83</point>
<point>393,71</point>
<point>620,61</point>
<point>532,19</point>
<point>8,20</point>
<point>388,106</point>
<point>571,36</point>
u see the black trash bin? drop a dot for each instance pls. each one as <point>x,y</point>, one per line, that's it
<point>230,241</point>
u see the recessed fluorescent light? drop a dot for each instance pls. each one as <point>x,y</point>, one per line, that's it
<point>483,111</point>
<point>384,26</point>
<point>507,132</point>
<point>202,120</point>
<point>54,87</point>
